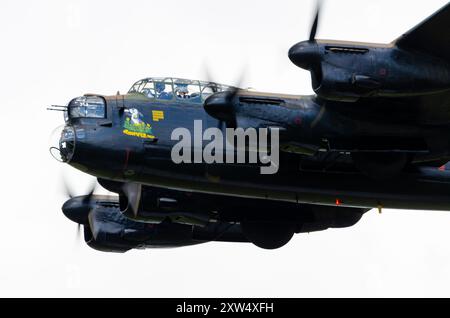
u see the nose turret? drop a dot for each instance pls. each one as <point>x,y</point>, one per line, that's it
<point>62,143</point>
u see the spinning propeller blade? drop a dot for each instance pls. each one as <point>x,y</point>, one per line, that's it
<point>312,34</point>
<point>76,210</point>
<point>227,100</point>
<point>133,193</point>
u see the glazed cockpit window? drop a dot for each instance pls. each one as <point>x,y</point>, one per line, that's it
<point>211,88</point>
<point>136,87</point>
<point>183,90</point>
<point>164,89</point>
<point>187,91</point>
<point>87,107</point>
<point>147,89</point>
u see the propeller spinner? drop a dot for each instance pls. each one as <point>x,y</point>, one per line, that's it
<point>306,54</point>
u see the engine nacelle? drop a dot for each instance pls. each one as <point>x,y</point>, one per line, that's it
<point>345,71</point>
<point>267,224</point>
<point>109,230</point>
<point>326,217</point>
<point>106,242</point>
<point>338,84</point>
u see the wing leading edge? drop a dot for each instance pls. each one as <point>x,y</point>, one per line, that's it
<point>432,36</point>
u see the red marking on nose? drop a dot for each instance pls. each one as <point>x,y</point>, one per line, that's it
<point>298,121</point>
<point>442,168</point>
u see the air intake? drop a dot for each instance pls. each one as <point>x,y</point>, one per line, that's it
<point>261,101</point>
<point>348,50</point>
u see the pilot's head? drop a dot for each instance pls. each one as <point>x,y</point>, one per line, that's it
<point>182,91</point>
<point>160,87</point>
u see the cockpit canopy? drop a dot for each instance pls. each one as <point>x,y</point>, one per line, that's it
<point>169,89</point>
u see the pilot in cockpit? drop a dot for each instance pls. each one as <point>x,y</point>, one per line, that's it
<point>160,91</point>
<point>182,92</point>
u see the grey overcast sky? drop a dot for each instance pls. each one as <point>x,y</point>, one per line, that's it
<point>55,50</point>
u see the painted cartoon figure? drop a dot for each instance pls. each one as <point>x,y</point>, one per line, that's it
<point>134,125</point>
<point>135,116</point>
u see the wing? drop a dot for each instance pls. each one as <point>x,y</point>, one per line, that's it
<point>432,36</point>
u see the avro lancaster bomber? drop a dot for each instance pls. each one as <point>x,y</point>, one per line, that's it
<point>376,135</point>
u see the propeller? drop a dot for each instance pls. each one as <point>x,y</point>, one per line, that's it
<point>306,54</point>
<point>93,226</point>
<point>215,90</point>
<point>77,208</point>
<point>78,235</point>
<point>312,34</point>
<point>132,192</point>
<point>220,103</point>
<point>68,192</point>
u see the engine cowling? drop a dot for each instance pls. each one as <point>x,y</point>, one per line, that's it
<point>326,217</point>
<point>346,71</point>
<point>270,225</point>
<point>109,231</point>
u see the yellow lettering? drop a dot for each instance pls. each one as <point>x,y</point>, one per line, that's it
<point>138,134</point>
